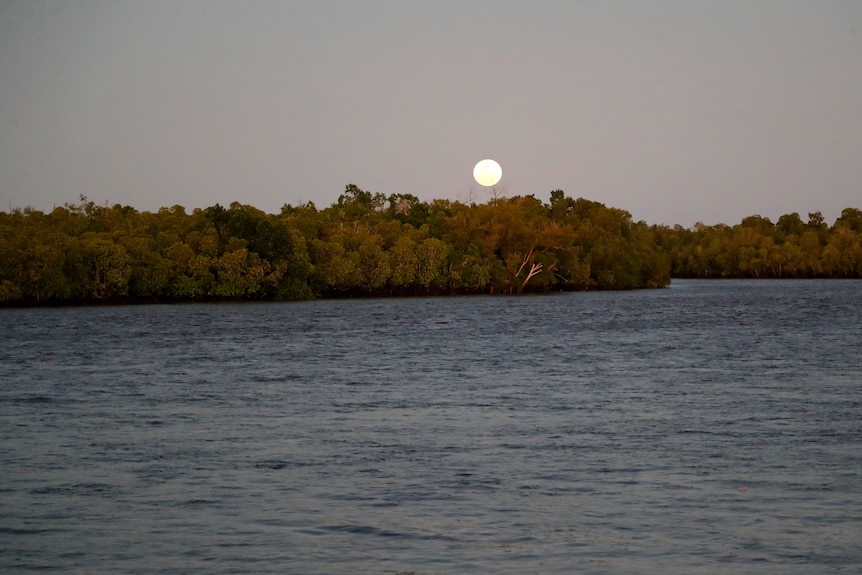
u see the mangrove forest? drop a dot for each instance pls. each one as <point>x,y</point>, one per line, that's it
<point>368,244</point>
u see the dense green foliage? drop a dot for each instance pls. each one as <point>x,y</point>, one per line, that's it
<point>757,248</point>
<point>365,244</point>
<point>370,245</point>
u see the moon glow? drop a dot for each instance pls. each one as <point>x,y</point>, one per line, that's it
<point>487,172</point>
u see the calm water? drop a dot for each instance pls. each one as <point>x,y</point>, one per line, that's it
<point>712,427</point>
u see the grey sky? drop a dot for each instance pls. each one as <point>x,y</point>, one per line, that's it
<point>676,110</point>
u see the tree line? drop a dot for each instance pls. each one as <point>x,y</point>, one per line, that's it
<point>757,248</point>
<point>372,245</point>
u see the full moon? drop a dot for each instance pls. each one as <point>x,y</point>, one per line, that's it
<point>487,172</point>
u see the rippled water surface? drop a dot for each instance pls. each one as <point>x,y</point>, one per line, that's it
<point>711,427</point>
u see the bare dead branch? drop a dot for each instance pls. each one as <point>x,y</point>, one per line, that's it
<point>534,270</point>
<point>527,259</point>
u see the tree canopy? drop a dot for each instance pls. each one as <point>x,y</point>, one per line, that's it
<point>367,244</point>
<point>757,248</point>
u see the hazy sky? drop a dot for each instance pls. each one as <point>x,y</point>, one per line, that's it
<point>676,110</point>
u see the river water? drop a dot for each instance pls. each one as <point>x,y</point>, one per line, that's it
<point>710,427</point>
